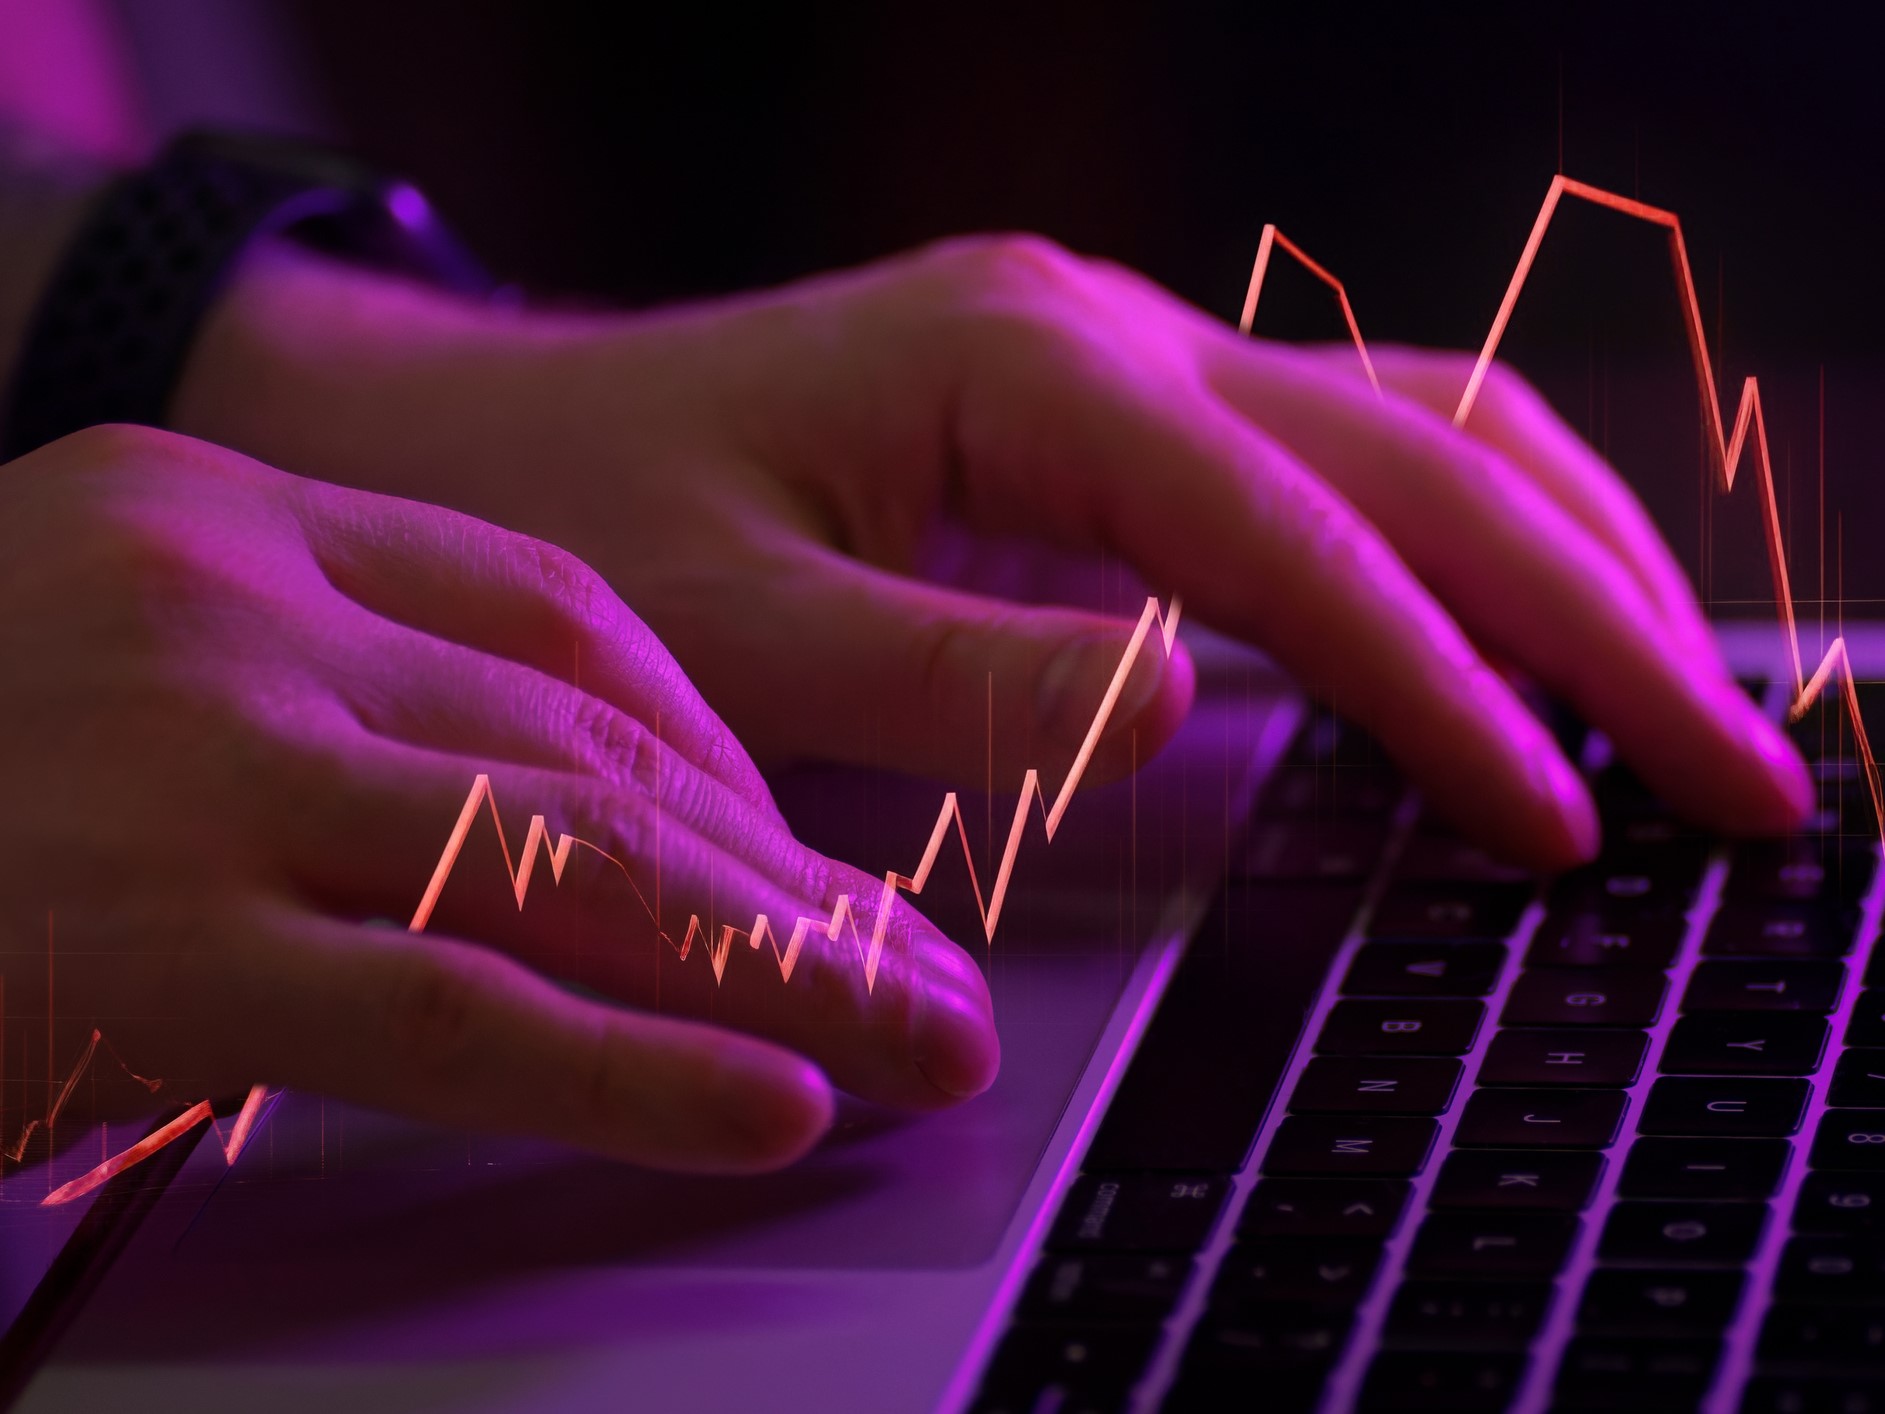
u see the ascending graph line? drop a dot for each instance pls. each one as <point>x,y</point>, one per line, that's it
<point>843,919</point>
<point>1727,446</point>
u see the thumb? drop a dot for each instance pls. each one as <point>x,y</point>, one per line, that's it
<point>889,671</point>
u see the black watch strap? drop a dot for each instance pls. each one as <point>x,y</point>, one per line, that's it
<point>109,338</point>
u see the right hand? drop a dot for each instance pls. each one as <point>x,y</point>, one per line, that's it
<point>241,714</point>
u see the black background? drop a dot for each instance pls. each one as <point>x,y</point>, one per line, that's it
<point>651,154</point>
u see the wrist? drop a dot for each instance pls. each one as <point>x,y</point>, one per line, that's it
<point>362,378</point>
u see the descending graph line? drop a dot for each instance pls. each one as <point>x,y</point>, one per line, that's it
<point>1749,429</point>
<point>843,920</point>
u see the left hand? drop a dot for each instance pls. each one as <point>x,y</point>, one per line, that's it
<point>764,481</point>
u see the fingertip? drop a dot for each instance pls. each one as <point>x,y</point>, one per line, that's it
<point>952,1024</point>
<point>1783,794</point>
<point>775,1106</point>
<point>1152,703</point>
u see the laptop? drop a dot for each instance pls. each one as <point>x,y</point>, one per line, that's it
<point>1306,1103</point>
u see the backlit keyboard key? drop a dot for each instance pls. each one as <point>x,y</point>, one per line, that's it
<point>1555,1119</point>
<point>1682,1233</point>
<point>1763,928</point>
<point>1835,1202</point>
<point>1463,911</point>
<point>1415,1027</point>
<point>1586,938</point>
<point>1789,985</point>
<point>1850,1139</point>
<point>1566,1056</point>
<point>1859,1079</point>
<point>1425,969</point>
<point>1323,1207</point>
<point>1551,1180</point>
<point>1420,1085</point>
<point>1744,1170</point>
<point>1505,1244</point>
<point>1578,997</point>
<point>1744,1043</point>
<point>1670,1302</point>
<point>1466,1315</point>
<point>1362,1145</point>
<point>1728,1106</point>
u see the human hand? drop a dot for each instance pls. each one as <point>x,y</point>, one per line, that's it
<point>241,714</point>
<point>761,478</point>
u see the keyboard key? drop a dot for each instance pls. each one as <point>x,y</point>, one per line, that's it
<point>1867,1027</point>
<point>1434,856</point>
<point>1505,1244</point>
<point>1661,1302</point>
<point>1659,1375</point>
<point>1281,1353</point>
<point>1565,1056</point>
<point>1322,851</point>
<point>1557,1119</point>
<point>1744,1043</point>
<point>1138,1212</point>
<point>1850,1139</point>
<point>1803,868</point>
<point>1783,985</point>
<point>1579,997</point>
<point>1745,1170</point>
<point>1811,1394</point>
<point>1824,1337</point>
<point>1366,792</point>
<point>1104,1286</point>
<point>1859,1079</point>
<point>1376,1146</point>
<point>1455,911</point>
<point>1416,1027</point>
<point>1635,887</point>
<point>1062,1367</point>
<point>1682,1234</point>
<point>1321,1271</point>
<point>1832,1269</point>
<point>1420,1085</point>
<point>1727,1106</point>
<point>1466,1315</point>
<point>1323,1207</point>
<point>1411,1382</point>
<point>1834,1202</point>
<point>1559,1181</point>
<point>1583,938</point>
<point>1763,928</point>
<point>1425,969</point>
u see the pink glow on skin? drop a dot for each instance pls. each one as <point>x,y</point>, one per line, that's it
<point>843,914</point>
<point>1727,447</point>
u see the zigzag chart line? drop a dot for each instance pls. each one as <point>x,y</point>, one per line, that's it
<point>1727,446</point>
<point>843,919</point>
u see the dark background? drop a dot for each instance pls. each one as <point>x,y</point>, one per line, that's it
<point>652,154</point>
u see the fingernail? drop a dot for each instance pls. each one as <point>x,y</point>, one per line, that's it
<point>1572,798</point>
<point>952,1029</point>
<point>1777,755</point>
<point>1075,682</point>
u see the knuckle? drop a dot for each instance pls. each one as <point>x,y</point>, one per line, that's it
<point>620,747</point>
<point>1008,261</point>
<point>574,592</point>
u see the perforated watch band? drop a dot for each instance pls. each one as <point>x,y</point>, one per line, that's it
<point>109,338</point>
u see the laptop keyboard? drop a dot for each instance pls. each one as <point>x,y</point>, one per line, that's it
<point>1613,1140</point>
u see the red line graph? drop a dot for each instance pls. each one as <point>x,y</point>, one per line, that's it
<point>1727,446</point>
<point>843,917</point>
<point>537,843</point>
